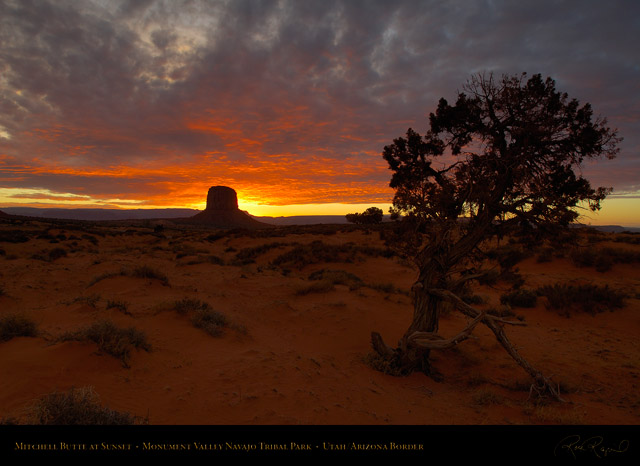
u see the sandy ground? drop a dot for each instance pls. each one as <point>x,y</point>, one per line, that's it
<point>288,357</point>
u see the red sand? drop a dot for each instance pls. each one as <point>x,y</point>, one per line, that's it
<point>299,359</point>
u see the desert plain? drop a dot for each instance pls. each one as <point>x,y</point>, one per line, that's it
<point>294,308</point>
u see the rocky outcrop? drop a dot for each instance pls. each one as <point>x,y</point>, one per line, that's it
<point>222,211</point>
<point>222,198</point>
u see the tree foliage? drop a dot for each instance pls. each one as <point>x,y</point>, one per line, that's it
<point>508,151</point>
<point>370,216</point>
<point>505,157</point>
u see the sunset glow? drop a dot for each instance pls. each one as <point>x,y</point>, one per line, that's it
<point>127,104</point>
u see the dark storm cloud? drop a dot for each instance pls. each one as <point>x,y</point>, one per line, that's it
<point>112,84</point>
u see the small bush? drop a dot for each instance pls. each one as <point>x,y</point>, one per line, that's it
<point>249,255</point>
<point>508,256</point>
<point>322,286</point>
<point>489,277</point>
<point>57,253</point>
<point>51,255</point>
<point>103,276</point>
<point>119,305</point>
<point>603,259</point>
<point>587,298</point>
<point>187,305</point>
<point>112,340</point>
<point>144,271</point>
<point>485,396</point>
<point>13,236</point>
<point>520,298</point>
<point>212,322</point>
<point>77,407</point>
<point>91,300</point>
<point>15,325</point>
<point>338,277</point>
<point>203,316</point>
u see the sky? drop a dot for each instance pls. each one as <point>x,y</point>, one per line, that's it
<point>148,103</point>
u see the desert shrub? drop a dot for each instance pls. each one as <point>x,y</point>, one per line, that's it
<point>187,305</point>
<point>209,320</point>
<point>508,256</point>
<point>91,300</point>
<point>603,259</point>
<point>322,286</point>
<point>51,255</point>
<point>77,407</point>
<point>249,255</point>
<point>17,325</point>
<point>389,288</point>
<point>111,339</point>
<point>92,239</point>
<point>144,271</point>
<point>485,396</point>
<point>203,316</point>
<point>489,277</point>
<point>338,277</point>
<point>119,305</point>
<point>627,237</point>
<point>57,253</point>
<point>13,236</point>
<point>587,298</point>
<point>384,365</point>
<point>103,276</point>
<point>319,252</point>
<point>545,255</point>
<point>215,260</point>
<point>520,298</point>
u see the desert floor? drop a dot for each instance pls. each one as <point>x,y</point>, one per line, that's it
<point>294,349</point>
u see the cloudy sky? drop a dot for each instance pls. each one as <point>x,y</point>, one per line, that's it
<point>147,103</point>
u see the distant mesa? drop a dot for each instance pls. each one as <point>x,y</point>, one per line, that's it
<point>222,211</point>
<point>222,198</point>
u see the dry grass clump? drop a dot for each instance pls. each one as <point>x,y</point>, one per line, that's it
<point>51,255</point>
<point>144,271</point>
<point>115,341</point>
<point>320,252</point>
<point>77,407</point>
<point>587,298</point>
<point>322,286</point>
<point>603,259</point>
<point>521,297</point>
<point>338,277</point>
<point>17,325</point>
<point>485,396</point>
<point>211,321</point>
<point>121,306</point>
<point>187,305</point>
<point>249,255</point>
<point>202,315</point>
<point>14,236</point>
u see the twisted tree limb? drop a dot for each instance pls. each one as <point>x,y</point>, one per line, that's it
<point>543,384</point>
<point>431,340</point>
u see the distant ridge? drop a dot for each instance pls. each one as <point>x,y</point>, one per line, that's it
<point>175,214</point>
<point>99,214</point>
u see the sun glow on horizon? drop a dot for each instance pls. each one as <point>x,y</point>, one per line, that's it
<point>622,211</point>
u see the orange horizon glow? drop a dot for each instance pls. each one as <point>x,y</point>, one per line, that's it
<point>622,211</point>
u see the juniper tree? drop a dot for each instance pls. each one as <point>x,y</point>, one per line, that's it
<point>505,156</point>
